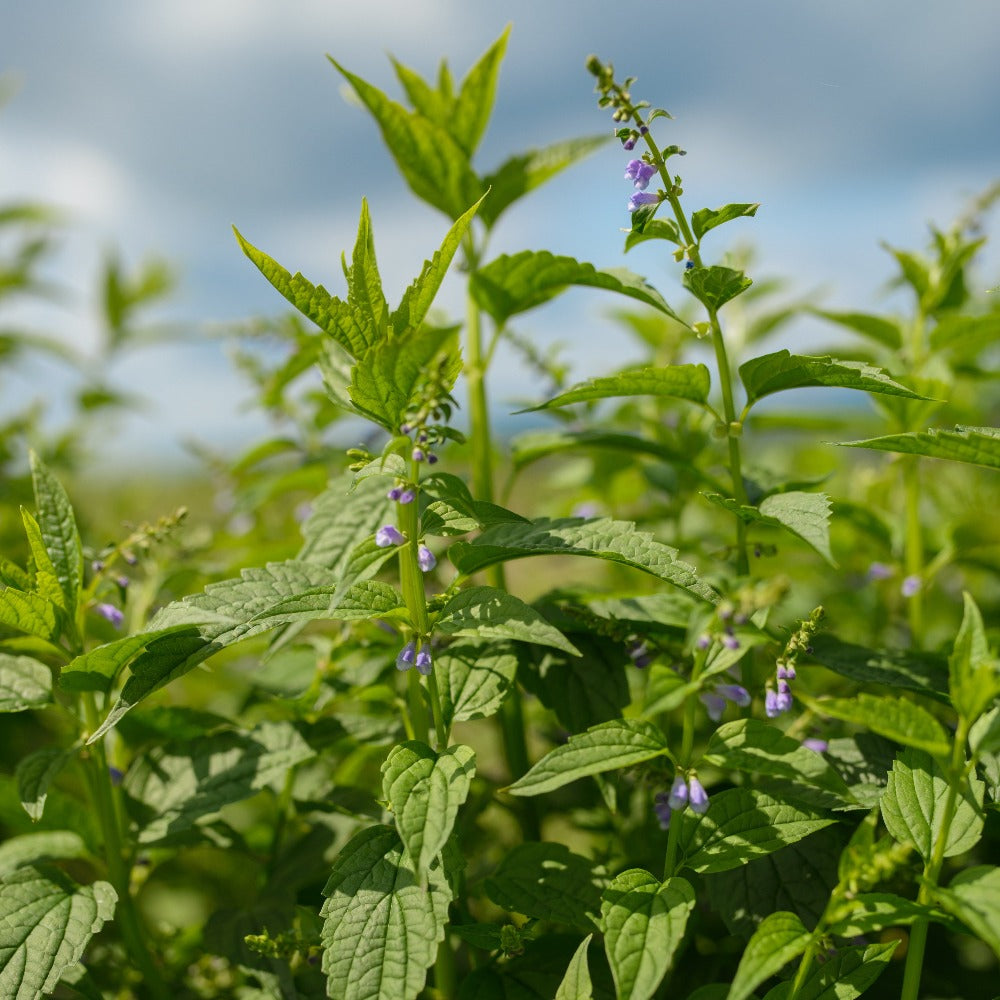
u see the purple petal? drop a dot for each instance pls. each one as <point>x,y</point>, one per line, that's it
<point>736,693</point>
<point>910,586</point>
<point>111,613</point>
<point>714,704</point>
<point>816,745</point>
<point>678,793</point>
<point>698,797</point>
<point>662,809</point>
<point>426,559</point>
<point>423,661</point>
<point>388,535</point>
<point>405,659</point>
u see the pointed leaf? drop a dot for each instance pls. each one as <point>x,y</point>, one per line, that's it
<point>715,286</point>
<point>654,229</point>
<point>643,923</point>
<point>424,790</point>
<point>974,445</point>
<point>576,984</point>
<point>29,613</point>
<point>608,747</point>
<point>511,284</point>
<point>44,580</point>
<point>46,923</point>
<point>974,897</point>
<point>870,912</point>
<point>474,677</point>
<point>57,524</point>
<point>844,977</point>
<point>24,683</point>
<point>490,613</point>
<point>780,938</point>
<point>364,285</point>
<point>476,94</point>
<point>34,775</point>
<point>602,538</point>
<point>45,845</point>
<point>783,370</point>
<point>708,218</point>
<point>381,927</point>
<point>913,806</point>
<point>974,673</point>
<point>676,381</point>
<point>876,328</point>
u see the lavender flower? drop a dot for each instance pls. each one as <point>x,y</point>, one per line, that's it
<point>630,142</point>
<point>678,798</point>
<point>698,797</point>
<point>771,709</point>
<point>714,704</point>
<point>426,559</point>
<point>395,493</point>
<point>418,455</point>
<point>641,198</point>
<point>122,581</point>
<point>640,654</point>
<point>97,566</point>
<point>785,672</point>
<point>730,641</point>
<point>407,495</point>
<point>423,661</point>
<point>388,535</point>
<point>816,745</point>
<point>640,173</point>
<point>736,693</point>
<point>405,659</point>
<point>113,614</point>
<point>704,641</point>
<point>662,809</point>
<point>431,458</point>
<point>115,775</point>
<point>880,571</point>
<point>910,586</point>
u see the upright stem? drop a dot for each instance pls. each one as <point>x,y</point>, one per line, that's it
<point>913,554</point>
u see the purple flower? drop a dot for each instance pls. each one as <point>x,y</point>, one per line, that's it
<point>736,693</point>
<point>405,659</point>
<point>395,493</point>
<point>786,673</point>
<point>662,809</point>
<point>423,661</point>
<point>388,535</point>
<point>431,458</point>
<point>704,641</point>
<point>418,455</point>
<point>407,495</point>
<point>730,641</point>
<point>641,198</point>
<point>698,797</point>
<point>910,586</point>
<point>630,142</point>
<point>714,704</point>
<point>678,793</point>
<point>426,559</point>
<point>122,581</point>
<point>783,698</point>
<point>113,614</point>
<point>639,653</point>
<point>816,745</point>
<point>115,775</point>
<point>880,571</point>
<point>771,709</point>
<point>97,565</point>
<point>640,172</point>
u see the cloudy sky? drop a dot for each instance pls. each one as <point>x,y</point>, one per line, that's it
<point>160,123</point>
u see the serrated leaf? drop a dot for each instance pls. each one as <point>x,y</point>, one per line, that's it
<point>655,229</point>
<point>57,524</point>
<point>44,579</point>
<point>45,845</point>
<point>547,881</point>
<point>430,160</point>
<point>805,515</point>
<point>844,977</point>
<point>742,824</point>
<point>608,747</point>
<point>474,677</point>
<point>46,923</point>
<point>474,103</point>
<point>511,284</point>
<point>576,984</point>
<point>491,613</point>
<point>708,218</point>
<point>984,736</point>
<point>524,172</point>
<point>778,940</point>
<point>689,382</point>
<point>24,683</point>
<point>602,538</point>
<point>364,284</point>
<point>183,784</point>
<point>974,674</point>
<point>759,748</point>
<point>876,328</point>
<point>715,286</point>
<point>34,775</point>
<point>330,314</point>
<point>783,370</point>
<point>424,790</point>
<point>643,923</point>
<point>972,445</point>
<point>381,927</point>
<point>894,718</point>
<point>913,806</point>
<point>29,613</point>
<point>974,897</point>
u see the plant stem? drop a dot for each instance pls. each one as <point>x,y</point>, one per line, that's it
<point>444,970</point>
<point>128,919</point>
<point>914,547</point>
<point>803,970</point>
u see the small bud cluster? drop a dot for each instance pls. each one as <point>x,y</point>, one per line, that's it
<point>778,698</point>
<point>389,535</point>
<point>686,791</point>
<point>729,616</point>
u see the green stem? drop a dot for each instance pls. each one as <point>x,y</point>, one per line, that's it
<point>803,970</point>
<point>913,546</point>
<point>445,979</point>
<point>128,919</point>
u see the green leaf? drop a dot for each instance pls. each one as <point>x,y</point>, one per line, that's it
<point>876,328</point>
<point>45,845</point>
<point>898,668</point>
<point>57,524</point>
<point>974,674</point>
<point>96,669</point>
<point>29,613</point>
<point>24,683</point>
<point>329,313</point>
<point>805,515</point>
<point>364,284</point>
<point>608,747</point>
<point>643,923</point>
<point>616,541</point>
<point>742,824</point>
<point>46,923</point>
<point>490,613</point>
<point>44,579</point>
<point>524,172</point>
<point>864,762</point>
<point>424,790</point>
<point>180,785</point>
<point>708,218</point>
<point>474,677</point>
<point>974,897</point>
<point>844,977</point>
<point>870,912</point>
<point>758,748</point>
<point>780,938</point>
<point>715,286</point>
<point>913,806</point>
<point>341,519</point>
<point>690,382</point>
<point>894,718</point>
<point>973,445</point>
<point>34,775</point>
<point>381,927</point>
<point>576,984</point>
<point>783,370</point>
<point>984,736</point>
<point>654,229</point>
<point>548,882</point>
<point>512,284</point>
<point>474,103</point>
<point>433,164</point>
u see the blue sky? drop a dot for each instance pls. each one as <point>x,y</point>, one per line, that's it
<point>161,123</point>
